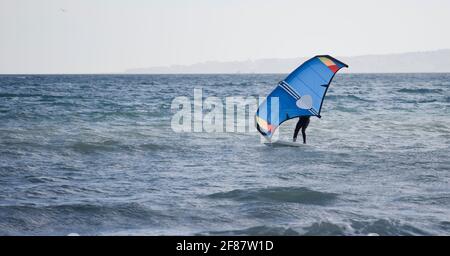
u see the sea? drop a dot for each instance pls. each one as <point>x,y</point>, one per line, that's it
<point>97,155</point>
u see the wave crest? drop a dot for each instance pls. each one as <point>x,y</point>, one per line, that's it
<point>299,195</point>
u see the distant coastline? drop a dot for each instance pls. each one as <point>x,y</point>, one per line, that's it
<point>411,62</point>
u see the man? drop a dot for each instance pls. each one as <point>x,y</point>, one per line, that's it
<point>303,123</point>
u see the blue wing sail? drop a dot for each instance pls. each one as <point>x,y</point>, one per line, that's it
<point>301,93</point>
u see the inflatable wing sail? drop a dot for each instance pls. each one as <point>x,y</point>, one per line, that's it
<point>300,94</point>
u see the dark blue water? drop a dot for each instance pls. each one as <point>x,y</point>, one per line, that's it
<point>96,155</point>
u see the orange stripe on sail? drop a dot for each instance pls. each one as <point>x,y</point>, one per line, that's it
<point>327,61</point>
<point>330,64</point>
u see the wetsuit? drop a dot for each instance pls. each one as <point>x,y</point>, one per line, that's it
<point>303,123</point>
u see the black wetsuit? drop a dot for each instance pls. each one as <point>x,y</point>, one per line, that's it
<point>303,123</point>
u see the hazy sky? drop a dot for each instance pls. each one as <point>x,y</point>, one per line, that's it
<point>89,36</point>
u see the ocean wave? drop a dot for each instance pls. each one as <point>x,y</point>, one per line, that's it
<point>419,90</point>
<point>381,227</point>
<point>154,146</point>
<point>239,84</point>
<point>43,179</point>
<point>79,218</point>
<point>148,83</point>
<point>113,145</point>
<point>299,195</point>
<point>418,101</point>
<point>325,228</point>
<point>435,199</point>
<point>91,147</point>
<point>384,227</point>
<point>43,97</point>
<point>445,225</point>
<point>255,231</point>
<point>18,95</point>
<point>348,97</point>
<point>426,178</point>
<point>120,114</point>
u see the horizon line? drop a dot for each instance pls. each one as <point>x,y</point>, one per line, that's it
<point>242,73</point>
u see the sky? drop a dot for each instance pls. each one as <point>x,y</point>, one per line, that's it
<point>108,36</point>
